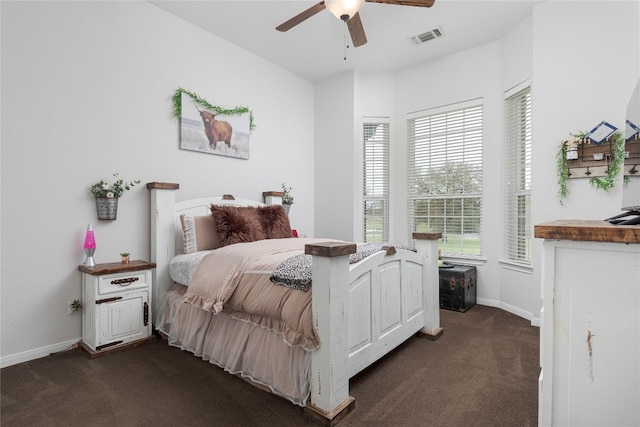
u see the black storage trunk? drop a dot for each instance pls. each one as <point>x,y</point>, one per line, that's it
<point>457,287</point>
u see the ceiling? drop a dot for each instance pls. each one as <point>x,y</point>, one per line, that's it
<point>315,49</point>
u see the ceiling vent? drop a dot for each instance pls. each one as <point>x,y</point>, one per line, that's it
<point>428,36</point>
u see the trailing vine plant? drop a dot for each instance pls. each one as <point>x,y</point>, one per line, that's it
<point>563,172</point>
<point>237,111</point>
<point>603,183</point>
<point>561,163</point>
<point>608,181</point>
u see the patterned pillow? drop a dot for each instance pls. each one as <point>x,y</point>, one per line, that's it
<point>275,222</point>
<point>237,224</point>
<point>199,233</point>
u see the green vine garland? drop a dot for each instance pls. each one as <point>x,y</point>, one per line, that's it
<point>563,172</point>
<point>177,107</point>
<point>562,167</point>
<point>605,183</point>
<point>618,159</point>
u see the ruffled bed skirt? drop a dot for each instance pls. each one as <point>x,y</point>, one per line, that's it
<point>239,347</point>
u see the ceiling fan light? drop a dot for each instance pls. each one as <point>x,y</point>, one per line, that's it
<point>343,7</point>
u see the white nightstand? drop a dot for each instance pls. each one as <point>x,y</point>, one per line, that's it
<point>116,306</point>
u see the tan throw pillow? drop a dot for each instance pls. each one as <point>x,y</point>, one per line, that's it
<point>237,224</point>
<point>199,233</point>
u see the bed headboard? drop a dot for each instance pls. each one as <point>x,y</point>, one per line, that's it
<point>166,228</point>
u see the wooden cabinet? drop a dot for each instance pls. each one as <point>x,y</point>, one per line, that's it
<point>590,324</point>
<point>116,302</point>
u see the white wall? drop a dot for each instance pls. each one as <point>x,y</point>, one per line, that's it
<point>580,79</point>
<point>574,88</point>
<point>552,49</point>
<point>518,287</point>
<point>374,97</point>
<point>334,157</point>
<point>86,92</point>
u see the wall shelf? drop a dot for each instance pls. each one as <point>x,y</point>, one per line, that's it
<point>632,161</point>
<point>593,160</point>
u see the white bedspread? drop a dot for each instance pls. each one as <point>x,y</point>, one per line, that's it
<point>182,267</point>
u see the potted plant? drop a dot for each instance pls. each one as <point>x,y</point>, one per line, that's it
<point>125,257</point>
<point>107,196</point>
<point>75,306</point>
<point>287,199</point>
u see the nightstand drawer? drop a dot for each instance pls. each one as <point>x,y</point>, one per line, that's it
<point>124,281</point>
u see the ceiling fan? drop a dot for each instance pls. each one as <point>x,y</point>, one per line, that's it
<point>347,11</point>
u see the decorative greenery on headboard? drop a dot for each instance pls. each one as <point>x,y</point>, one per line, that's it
<point>177,107</point>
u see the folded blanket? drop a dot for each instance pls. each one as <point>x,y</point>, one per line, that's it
<point>295,272</point>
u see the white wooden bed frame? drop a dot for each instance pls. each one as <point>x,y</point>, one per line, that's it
<point>360,311</point>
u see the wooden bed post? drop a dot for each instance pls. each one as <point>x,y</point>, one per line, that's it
<point>272,197</point>
<point>330,400</point>
<point>427,246</point>
<point>163,246</point>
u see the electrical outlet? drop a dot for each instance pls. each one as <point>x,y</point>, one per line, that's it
<point>69,308</point>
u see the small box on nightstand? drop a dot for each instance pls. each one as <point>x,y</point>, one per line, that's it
<point>457,287</point>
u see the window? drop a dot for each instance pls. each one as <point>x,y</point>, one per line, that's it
<point>445,175</point>
<point>518,175</point>
<point>376,179</point>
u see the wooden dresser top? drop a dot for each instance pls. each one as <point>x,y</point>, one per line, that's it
<point>588,230</point>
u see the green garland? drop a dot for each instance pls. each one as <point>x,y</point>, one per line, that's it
<point>177,107</point>
<point>563,172</point>
<point>608,181</point>
<point>562,167</point>
<point>605,183</point>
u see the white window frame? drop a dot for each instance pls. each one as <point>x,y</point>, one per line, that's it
<point>447,138</point>
<point>375,178</point>
<point>518,230</point>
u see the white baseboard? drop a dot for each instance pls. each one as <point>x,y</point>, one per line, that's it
<point>36,353</point>
<point>535,321</point>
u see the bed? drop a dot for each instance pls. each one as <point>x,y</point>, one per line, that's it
<point>364,302</point>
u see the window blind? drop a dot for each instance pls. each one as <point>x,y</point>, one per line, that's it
<point>445,175</point>
<point>375,187</point>
<point>518,177</point>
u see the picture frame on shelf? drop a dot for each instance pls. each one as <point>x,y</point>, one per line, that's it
<point>601,132</point>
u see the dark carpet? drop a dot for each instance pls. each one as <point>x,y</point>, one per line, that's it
<point>482,372</point>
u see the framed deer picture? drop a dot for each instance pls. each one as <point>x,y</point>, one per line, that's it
<point>212,132</point>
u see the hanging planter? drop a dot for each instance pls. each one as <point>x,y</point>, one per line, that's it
<point>107,196</point>
<point>107,208</point>
<point>287,199</point>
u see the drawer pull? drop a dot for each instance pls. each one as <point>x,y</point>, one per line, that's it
<point>124,282</point>
<point>102,301</point>
<point>146,313</point>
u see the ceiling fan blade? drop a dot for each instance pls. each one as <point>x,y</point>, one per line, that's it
<point>417,3</point>
<point>356,30</point>
<point>285,26</point>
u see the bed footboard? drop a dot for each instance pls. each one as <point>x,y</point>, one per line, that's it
<point>364,311</point>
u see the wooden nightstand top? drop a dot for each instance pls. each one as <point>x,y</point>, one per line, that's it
<point>116,267</point>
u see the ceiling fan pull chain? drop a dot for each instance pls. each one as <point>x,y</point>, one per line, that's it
<point>345,40</point>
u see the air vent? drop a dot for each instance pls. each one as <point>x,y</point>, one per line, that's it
<point>429,35</point>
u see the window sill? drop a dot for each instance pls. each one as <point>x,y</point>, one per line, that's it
<point>467,260</point>
<point>510,265</point>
